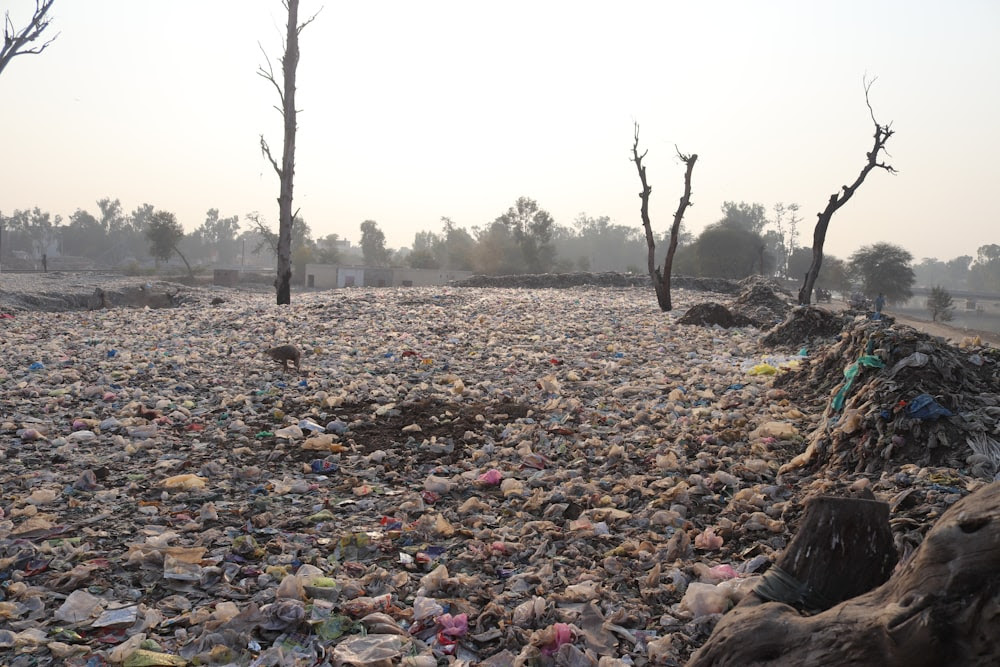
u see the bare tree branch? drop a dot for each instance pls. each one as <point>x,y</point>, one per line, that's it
<point>16,42</point>
<point>838,199</point>
<point>661,279</point>
<point>644,210</point>
<point>268,75</point>
<point>266,150</point>
<point>308,21</point>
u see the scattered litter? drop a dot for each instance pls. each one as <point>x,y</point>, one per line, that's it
<point>501,476</point>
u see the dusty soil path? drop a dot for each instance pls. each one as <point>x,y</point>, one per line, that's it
<point>952,334</point>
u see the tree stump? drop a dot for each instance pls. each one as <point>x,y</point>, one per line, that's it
<point>941,608</point>
<point>843,548</point>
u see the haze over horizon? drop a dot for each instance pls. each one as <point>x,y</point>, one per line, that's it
<point>414,111</point>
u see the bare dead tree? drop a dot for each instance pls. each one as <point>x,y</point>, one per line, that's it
<point>838,199</point>
<point>286,171</point>
<point>661,279</point>
<point>19,42</point>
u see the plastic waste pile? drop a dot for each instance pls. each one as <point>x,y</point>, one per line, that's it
<point>809,326</point>
<point>761,301</point>
<point>894,394</point>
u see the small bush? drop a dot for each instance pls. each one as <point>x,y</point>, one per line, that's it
<point>940,305</point>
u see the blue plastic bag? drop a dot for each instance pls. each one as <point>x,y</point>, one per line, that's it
<point>925,407</point>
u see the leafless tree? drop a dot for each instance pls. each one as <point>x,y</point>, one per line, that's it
<point>661,279</point>
<point>285,171</point>
<point>838,199</point>
<point>19,42</point>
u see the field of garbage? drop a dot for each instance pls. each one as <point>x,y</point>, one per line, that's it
<point>455,475</point>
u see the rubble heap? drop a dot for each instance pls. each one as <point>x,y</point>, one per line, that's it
<point>761,301</point>
<point>710,314</point>
<point>808,326</point>
<point>896,395</point>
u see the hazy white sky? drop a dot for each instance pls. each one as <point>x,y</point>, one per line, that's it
<point>416,110</point>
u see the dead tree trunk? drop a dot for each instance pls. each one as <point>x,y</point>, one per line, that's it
<point>838,199</point>
<point>18,42</point>
<point>286,172</point>
<point>843,548</point>
<point>941,608</point>
<point>661,280</point>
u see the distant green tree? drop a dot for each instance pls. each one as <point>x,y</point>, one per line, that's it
<point>940,305</point>
<point>531,229</point>
<point>136,223</point>
<point>32,232</point>
<point>327,250</point>
<point>497,251</point>
<point>603,245</point>
<point>84,236</point>
<point>373,244</point>
<point>219,234</point>
<point>930,271</point>
<point>751,217</point>
<point>301,233</point>
<point>727,251</point>
<point>459,246</point>
<point>958,271</point>
<point>427,252</point>
<point>165,234</point>
<point>833,275</point>
<point>984,275</point>
<point>422,259</point>
<point>885,268</point>
<point>786,225</point>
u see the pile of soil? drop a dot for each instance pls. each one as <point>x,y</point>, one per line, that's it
<point>710,314</point>
<point>808,327</point>
<point>761,301</point>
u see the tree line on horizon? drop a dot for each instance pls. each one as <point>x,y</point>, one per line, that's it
<point>746,240</point>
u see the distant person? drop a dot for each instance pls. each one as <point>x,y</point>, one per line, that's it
<point>879,302</point>
<point>45,263</point>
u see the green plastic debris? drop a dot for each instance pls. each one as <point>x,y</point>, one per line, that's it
<point>851,373</point>
<point>144,658</point>
<point>322,515</point>
<point>334,627</point>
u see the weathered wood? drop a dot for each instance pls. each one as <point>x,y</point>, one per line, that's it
<point>843,548</point>
<point>941,608</point>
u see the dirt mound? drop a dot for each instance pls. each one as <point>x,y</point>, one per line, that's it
<point>60,292</point>
<point>711,314</point>
<point>897,395</point>
<point>762,301</point>
<point>806,326</point>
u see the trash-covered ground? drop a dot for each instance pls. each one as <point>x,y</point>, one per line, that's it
<point>57,291</point>
<point>456,475</point>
